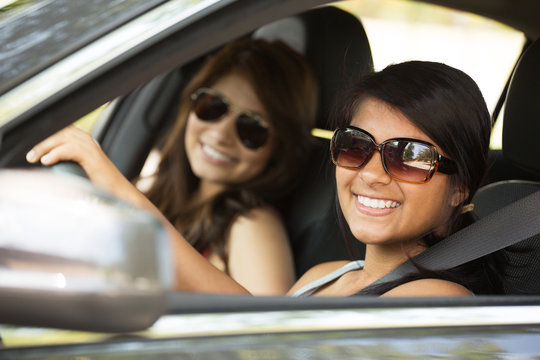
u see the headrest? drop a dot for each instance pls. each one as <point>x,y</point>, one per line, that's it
<point>333,41</point>
<point>521,128</point>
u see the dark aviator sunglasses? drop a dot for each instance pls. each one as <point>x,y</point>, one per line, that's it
<point>404,159</point>
<point>210,106</point>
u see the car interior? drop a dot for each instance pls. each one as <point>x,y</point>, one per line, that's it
<point>336,45</point>
<point>520,133</point>
<point>338,60</point>
<point>315,234</point>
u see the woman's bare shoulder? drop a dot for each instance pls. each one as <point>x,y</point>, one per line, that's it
<point>261,225</point>
<point>260,258</point>
<point>429,287</point>
<point>317,272</point>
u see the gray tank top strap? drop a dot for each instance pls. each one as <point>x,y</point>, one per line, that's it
<point>309,289</point>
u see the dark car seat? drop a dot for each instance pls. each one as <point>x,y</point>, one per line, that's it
<point>521,133</point>
<point>336,45</point>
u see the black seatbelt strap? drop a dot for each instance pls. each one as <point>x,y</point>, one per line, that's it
<point>509,225</point>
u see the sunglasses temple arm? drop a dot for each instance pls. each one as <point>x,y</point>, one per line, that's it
<point>446,166</point>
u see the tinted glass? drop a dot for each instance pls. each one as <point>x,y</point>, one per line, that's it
<point>35,34</point>
<point>408,160</point>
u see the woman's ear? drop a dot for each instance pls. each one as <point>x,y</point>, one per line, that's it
<point>458,196</point>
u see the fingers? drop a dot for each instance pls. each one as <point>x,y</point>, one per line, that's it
<point>41,151</point>
<point>73,144</point>
<point>69,144</point>
<point>56,154</point>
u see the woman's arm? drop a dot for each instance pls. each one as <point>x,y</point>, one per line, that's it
<point>193,272</point>
<point>260,256</point>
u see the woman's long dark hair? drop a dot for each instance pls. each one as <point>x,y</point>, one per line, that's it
<point>447,105</point>
<point>286,86</point>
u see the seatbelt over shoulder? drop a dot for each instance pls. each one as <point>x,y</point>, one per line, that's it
<point>509,225</point>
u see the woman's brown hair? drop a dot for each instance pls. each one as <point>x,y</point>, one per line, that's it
<point>286,86</point>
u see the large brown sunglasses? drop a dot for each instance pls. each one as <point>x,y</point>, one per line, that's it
<point>404,159</point>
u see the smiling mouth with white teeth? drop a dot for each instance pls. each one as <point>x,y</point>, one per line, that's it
<point>216,154</point>
<point>377,203</point>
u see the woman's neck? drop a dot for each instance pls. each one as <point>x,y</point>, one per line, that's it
<point>381,259</point>
<point>206,191</point>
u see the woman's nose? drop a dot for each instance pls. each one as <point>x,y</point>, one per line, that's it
<point>373,171</point>
<point>224,129</point>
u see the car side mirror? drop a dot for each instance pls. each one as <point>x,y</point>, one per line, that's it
<point>72,256</point>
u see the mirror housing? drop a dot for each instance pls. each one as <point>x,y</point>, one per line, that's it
<point>74,257</point>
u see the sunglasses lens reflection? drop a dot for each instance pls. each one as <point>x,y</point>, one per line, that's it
<point>410,161</point>
<point>351,148</point>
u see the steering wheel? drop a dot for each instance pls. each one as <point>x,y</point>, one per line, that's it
<point>68,167</point>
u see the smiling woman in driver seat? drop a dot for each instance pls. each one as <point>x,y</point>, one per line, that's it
<point>410,151</point>
<point>241,132</point>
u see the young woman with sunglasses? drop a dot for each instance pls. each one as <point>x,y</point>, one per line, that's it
<point>242,129</point>
<point>241,132</point>
<point>410,151</point>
